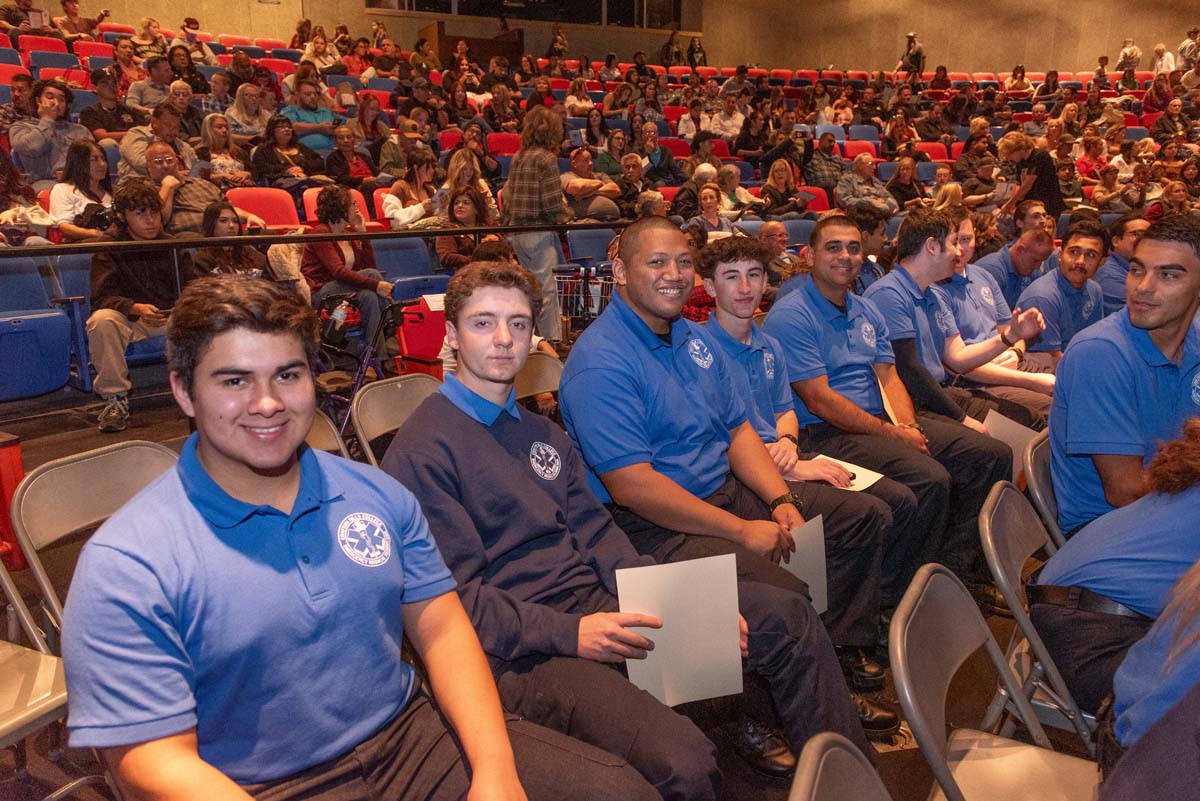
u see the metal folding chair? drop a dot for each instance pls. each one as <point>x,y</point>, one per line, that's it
<point>1010,532</point>
<point>541,373</point>
<point>1041,486</point>
<point>934,630</point>
<point>383,406</point>
<point>323,436</point>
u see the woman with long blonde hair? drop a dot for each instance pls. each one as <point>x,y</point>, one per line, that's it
<point>462,172</point>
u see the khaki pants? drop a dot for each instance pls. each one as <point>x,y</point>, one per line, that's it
<point>109,333</point>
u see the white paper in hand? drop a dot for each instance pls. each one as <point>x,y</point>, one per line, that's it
<point>1012,434</point>
<point>808,562</point>
<point>863,477</point>
<point>696,653</point>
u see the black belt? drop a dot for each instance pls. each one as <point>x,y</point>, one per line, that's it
<point>1079,598</point>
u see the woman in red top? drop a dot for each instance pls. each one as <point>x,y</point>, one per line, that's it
<point>1092,160</point>
<point>348,265</point>
<point>359,58</point>
<point>124,68</point>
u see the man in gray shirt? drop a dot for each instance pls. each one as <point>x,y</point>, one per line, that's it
<point>42,142</point>
<point>147,93</point>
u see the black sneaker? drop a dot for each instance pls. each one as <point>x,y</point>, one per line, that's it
<point>115,415</point>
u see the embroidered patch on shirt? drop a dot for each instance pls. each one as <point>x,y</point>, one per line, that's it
<point>868,334</point>
<point>769,366</point>
<point>545,461</point>
<point>365,539</point>
<point>700,353</point>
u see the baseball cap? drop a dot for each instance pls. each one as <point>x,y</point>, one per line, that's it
<point>420,83</point>
<point>191,24</point>
<point>410,129</point>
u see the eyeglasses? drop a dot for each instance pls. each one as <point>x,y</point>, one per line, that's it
<point>164,161</point>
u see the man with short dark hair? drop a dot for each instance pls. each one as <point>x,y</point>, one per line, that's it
<point>823,165</point>
<point>240,70</point>
<point>1123,236</point>
<point>145,95</point>
<point>109,119</point>
<point>1128,383</point>
<point>859,527</point>
<point>132,296</point>
<point>42,143</point>
<point>840,358</point>
<point>313,122</point>
<point>165,124</point>
<point>670,449</point>
<point>540,583</point>
<point>498,74</point>
<point>872,223</point>
<point>167,669</point>
<point>727,123</point>
<point>1068,298</point>
<point>21,106</point>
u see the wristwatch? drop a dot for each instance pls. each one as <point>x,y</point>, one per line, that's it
<point>787,497</point>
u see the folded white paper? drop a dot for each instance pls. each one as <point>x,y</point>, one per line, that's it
<point>1012,434</point>
<point>696,653</point>
<point>808,561</point>
<point>863,477</point>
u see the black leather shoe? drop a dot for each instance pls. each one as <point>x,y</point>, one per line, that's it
<point>764,749</point>
<point>863,672</point>
<point>877,720</point>
<point>989,599</point>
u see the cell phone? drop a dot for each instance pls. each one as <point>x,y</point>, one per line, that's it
<point>800,131</point>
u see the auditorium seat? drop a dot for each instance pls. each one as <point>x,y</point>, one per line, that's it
<point>274,206</point>
<point>35,338</point>
<point>27,43</point>
<point>503,144</point>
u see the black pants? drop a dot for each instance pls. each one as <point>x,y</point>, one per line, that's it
<point>1087,647</point>
<point>789,647</point>
<point>415,757</point>
<point>595,703</point>
<point>950,485</point>
<point>1030,409</point>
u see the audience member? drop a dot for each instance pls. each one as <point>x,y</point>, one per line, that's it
<point>164,127</point>
<point>218,100</point>
<point>1116,417</point>
<point>1014,267</point>
<point>228,163</point>
<point>284,162</point>
<point>222,220</point>
<point>860,186</point>
<point>190,117</point>
<point>188,37</point>
<point>184,70</point>
<point>42,142</point>
<point>1067,297</point>
<point>589,195</point>
<point>132,296</point>
<point>1124,234</point>
<point>149,92</point>
<point>75,27</point>
<point>80,203</point>
<point>247,118</point>
<point>349,167</point>
<point>21,106</point>
<point>148,42</point>
<point>312,122</point>
<point>415,195</point>
<point>14,21</point>
<point>125,68</point>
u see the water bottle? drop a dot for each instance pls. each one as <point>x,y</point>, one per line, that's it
<point>335,332</point>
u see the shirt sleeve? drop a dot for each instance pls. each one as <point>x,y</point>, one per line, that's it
<point>1051,337</point>
<point>608,418</point>
<point>800,342</point>
<point>129,677</point>
<point>896,310</point>
<point>1103,415</point>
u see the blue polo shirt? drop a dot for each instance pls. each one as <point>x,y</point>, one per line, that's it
<point>791,285</point>
<point>276,635</point>
<point>1115,393</point>
<point>1111,278</point>
<point>475,406</point>
<point>630,397</point>
<point>999,265</point>
<point>1067,310</point>
<point>975,303</point>
<point>913,314</point>
<point>1134,554</point>
<point>315,117</point>
<point>819,339</point>
<point>758,373</point>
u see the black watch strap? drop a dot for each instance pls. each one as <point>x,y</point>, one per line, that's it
<point>787,497</point>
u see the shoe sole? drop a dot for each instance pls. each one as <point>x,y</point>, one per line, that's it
<point>111,428</point>
<point>881,734</point>
<point>866,685</point>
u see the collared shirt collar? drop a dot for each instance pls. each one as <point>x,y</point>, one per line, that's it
<point>757,341</point>
<point>1150,353</point>
<point>1066,287</point>
<point>824,306</point>
<point>474,405</point>
<point>222,510</point>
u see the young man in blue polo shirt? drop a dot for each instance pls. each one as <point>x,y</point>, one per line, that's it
<point>1015,266</point>
<point>1123,236</point>
<point>977,313</point>
<point>1068,298</point>
<point>922,330</point>
<point>534,553</point>
<point>235,630</point>
<point>669,448</point>
<point>860,527</point>
<point>1128,383</point>
<point>839,351</point>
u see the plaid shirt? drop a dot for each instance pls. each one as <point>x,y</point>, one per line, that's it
<point>211,104</point>
<point>824,171</point>
<point>533,193</point>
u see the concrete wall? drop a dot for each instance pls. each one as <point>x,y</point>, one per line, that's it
<point>965,35</point>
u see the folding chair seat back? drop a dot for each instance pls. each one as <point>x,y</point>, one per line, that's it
<point>541,373</point>
<point>831,768</point>
<point>1036,461</point>
<point>323,436</point>
<point>383,406</point>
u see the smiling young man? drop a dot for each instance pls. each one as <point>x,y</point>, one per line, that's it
<point>1128,383</point>
<point>670,449</point>
<point>1068,298</point>
<point>235,630</point>
<point>859,526</point>
<point>537,571</point>
<point>840,359</point>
